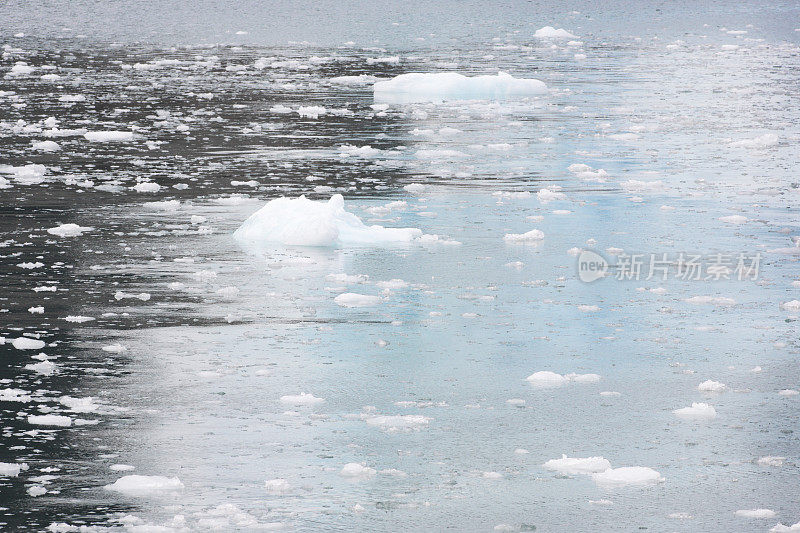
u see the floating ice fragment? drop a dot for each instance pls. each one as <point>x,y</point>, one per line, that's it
<point>771,460</point>
<point>755,513</point>
<point>46,146</point>
<point>303,398</point>
<point>352,299</point>
<point>46,368</point>
<point>108,136</point>
<point>26,343</point>
<point>533,235</point>
<point>114,348</point>
<point>136,485</point>
<point>578,465</point>
<point>12,469</point>
<point>147,186</point>
<point>734,219</point>
<point>277,486</point>
<point>711,386</point>
<point>549,32</point>
<point>762,141</point>
<point>627,475</point>
<point>357,471</point>
<point>397,423</point>
<point>545,378</point>
<point>303,222</point>
<point>79,405</point>
<point>549,194</point>
<point>69,230</point>
<point>442,86</point>
<point>36,490</point>
<point>50,420</point>
<point>697,411</point>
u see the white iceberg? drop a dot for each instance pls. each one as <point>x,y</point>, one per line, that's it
<point>627,475</point>
<point>578,465</point>
<point>135,485</point>
<point>697,411</point>
<point>549,32</point>
<point>443,86</point>
<point>304,222</point>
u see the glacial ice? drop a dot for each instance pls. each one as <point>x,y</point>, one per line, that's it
<point>444,86</point>
<point>304,222</point>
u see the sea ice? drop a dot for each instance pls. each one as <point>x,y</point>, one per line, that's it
<point>578,465</point>
<point>12,469</point>
<point>755,513</point>
<point>304,222</point>
<point>108,136</point>
<point>533,235</point>
<point>696,411</point>
<point>443,86</point>
<point>549,32</point>
<point>26,343</point>
<point>136,485</point>
<point>50,420</point>
<point>303,398</point>
<point>356,471</point>
<point>627,475</point>
<point>711,386</point>
<point>69,230</point>
<point>352,299</point>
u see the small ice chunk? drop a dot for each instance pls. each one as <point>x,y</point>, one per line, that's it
<point>46,146</point>
<point>136,485</point>
<point>755,513</point>
<point>69,230</point>
<point>26,343</point>
<point>303,222</point>
<point>627,475</point>
<point>734,219</point>
<point>353,299</point>
<point>771,460</point>
<point>356,471</point>
<point>50,420</point>
<point>697,411</point>
<point>711,386</point>
<point>578,465</point>
<point>114,348</point>
<point>12,469</point>
<point>277,486</point>
<point>443,86</point>
<point>303,398</point>
<point>533,235</point>
<point>108,136</point>
<point>545,378</point>
<point>549,32</point>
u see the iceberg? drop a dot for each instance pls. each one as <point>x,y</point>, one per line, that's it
<point>442,86</point>
<point>304,222</point>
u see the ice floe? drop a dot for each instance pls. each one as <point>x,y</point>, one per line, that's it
<point>137,485</point>
<point>627,475</point>
<point>443,86</point>
<point>69,230</point>
<point>578,465</point>
<point>700,411</point>
<point>304,222</point>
